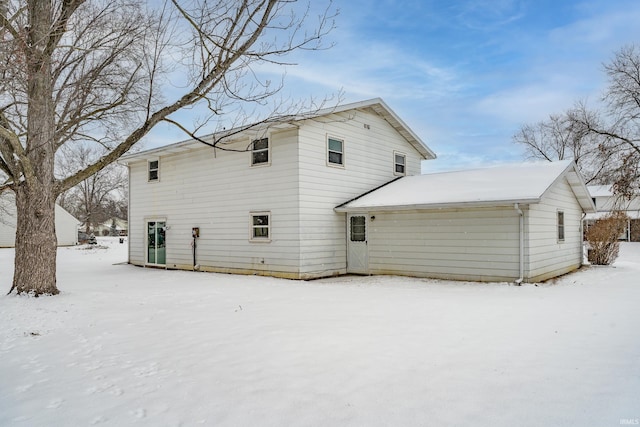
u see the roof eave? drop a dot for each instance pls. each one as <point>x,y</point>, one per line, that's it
<point>403,129</point>
<point>438,206</point>
<point>578,186</point>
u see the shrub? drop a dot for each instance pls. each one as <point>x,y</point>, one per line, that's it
<point>602,238</point>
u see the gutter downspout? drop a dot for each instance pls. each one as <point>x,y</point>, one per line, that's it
<point>519,280</point>
<point>585,250</point>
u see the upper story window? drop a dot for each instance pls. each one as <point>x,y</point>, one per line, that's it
<point>260,226</point>
<point>399,164</point>
<point>335,151</point>
<point>260,152</point>
<point>154,170</point>
<point>560,226</point>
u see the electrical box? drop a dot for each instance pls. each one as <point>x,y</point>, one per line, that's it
<point>195,232</point>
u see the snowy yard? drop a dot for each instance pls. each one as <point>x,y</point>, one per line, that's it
<point>123,345</point>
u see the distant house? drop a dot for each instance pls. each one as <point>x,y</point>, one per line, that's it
<point>66,224</point>
<point>605,201</point>
<point>273,202</point>
<point>112,227</point>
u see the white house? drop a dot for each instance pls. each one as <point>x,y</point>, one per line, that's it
<point>265,202</point>
<point>605,201</point>
<point>66,224</point>
<point>508,223</point>
<point>112,225</point>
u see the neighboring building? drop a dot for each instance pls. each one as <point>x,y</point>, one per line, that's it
<point>272,209</point>
<point>66,224</point>
<point>515,222</point>
<point>605,201</point>
<point>112,227</point>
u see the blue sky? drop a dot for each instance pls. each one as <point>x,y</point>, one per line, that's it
<point>465,75</point>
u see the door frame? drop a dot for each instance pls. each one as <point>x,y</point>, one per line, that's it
<point>146,241</point>
<point>358,247</point>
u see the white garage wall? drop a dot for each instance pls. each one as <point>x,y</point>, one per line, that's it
<point>549,257</point>
<point>470,244</point>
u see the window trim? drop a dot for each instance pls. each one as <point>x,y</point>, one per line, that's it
<point>330,163</point>
<point>157,170</point>
<point>404,165</point>
<point>252,227</point>
<point>560,226</point>
<point>252,151</point>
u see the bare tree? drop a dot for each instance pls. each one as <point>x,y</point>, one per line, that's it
<point>97,198</point>
<point>620,127</point>
<point>93,71</point>
<point>605,144</point>
<point>561,138</point>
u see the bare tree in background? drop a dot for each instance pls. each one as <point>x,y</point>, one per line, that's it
<point>605,144</point>
<point>562,138</point>
<point>105,72</point>
<point>619,123</point>
<point>97,198</point>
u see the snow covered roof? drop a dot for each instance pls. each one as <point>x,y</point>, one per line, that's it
<point>376,105</point>
<point>632,214</point>
<point>600,190</point>
<point>499,185</point>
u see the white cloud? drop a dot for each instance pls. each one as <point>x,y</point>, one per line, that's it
<point>487,15</point>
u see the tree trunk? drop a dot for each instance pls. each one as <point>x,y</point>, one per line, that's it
<point>36,242</point>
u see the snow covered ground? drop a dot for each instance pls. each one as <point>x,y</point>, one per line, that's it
<point>123,345</point>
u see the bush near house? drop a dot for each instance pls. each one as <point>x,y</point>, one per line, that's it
<point>634,233</point>
<point>602,238</point>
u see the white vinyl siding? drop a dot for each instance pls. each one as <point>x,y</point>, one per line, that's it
<point>458,244</point>
<point>548,256</point>
<point>368,153</point>
<point>215,190</point>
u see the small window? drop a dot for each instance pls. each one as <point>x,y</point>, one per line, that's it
<point>260,226</point>
<point>335,153</point>
<point>358,229</point>
<point>260,152</point>
<point>154,169</point>
<point>560,226</point>
<point>399,164</point>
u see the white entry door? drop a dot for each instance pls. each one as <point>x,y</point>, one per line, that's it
<point>357,251</point>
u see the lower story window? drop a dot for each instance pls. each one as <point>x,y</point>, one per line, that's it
<point>560,226</point>
<point>260,226</point>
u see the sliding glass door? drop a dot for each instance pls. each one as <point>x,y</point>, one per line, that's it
<point>156,248</point>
